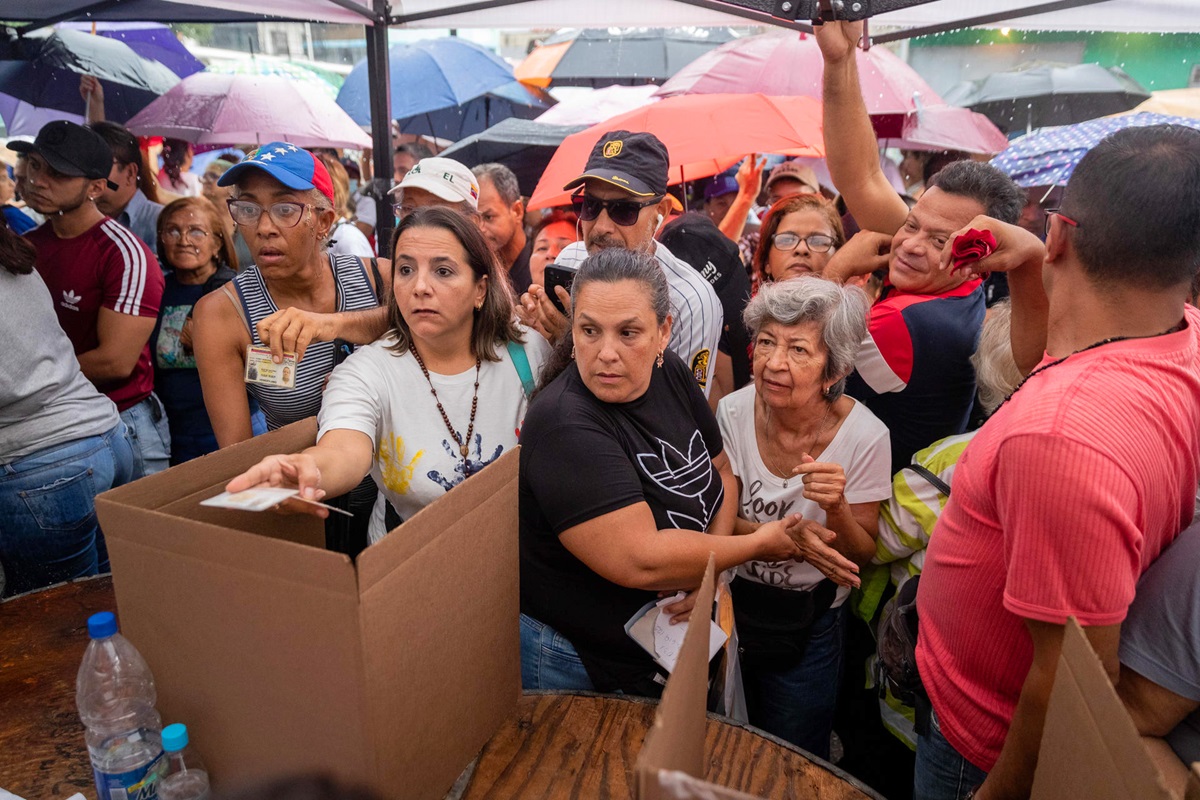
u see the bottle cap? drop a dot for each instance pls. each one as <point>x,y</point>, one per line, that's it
<point>102,625</point>
<point>174,737</point>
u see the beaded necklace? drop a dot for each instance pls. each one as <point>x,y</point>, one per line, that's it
<point>464,445</point>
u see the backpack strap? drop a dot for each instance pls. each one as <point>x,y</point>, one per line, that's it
<point>520,360</point>
<point>937,482</point>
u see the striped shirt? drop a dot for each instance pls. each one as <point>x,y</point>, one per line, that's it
<point>698,318</point>
<point>285,406</point>
<point>104,267</point>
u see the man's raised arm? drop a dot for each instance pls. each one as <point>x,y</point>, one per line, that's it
<point>852,151</point>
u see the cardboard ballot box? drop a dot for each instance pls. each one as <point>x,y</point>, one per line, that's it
<point>1090,746</point>
<point>281,656</point>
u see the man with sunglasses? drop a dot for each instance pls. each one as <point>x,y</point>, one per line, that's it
<point>621,202</point>
<point>105,282</point>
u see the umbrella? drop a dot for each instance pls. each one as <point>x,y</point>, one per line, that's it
<point>1048,157</point>
<point>43,69</point>
<point>606,56</point>
<point>950,128</point>
<point>787,63</point>
<point>523,146</point>
<point>242,109</point>
<point>304,76</point>
<point>150,40</point>
<point>704,135</point>
<point>1173,102</point>
<point>448,88</point>
<point>1042,95</point>
<point>591,107</point>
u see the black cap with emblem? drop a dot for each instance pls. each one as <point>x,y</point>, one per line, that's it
<point>635,162</point>
<point>72,150</point>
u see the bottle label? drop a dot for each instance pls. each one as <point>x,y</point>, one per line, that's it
<point>137,784</point>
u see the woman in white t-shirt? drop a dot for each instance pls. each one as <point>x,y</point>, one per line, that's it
<point>440,397</point>
<point>802,449</point>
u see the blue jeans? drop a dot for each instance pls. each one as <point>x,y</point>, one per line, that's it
<point>150,435</point>
<point>797,704</point>
<point>48,528</point>
<point>549,661</point>
<point>942,773</point>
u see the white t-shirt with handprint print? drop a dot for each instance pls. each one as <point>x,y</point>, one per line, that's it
<point>385,396</point>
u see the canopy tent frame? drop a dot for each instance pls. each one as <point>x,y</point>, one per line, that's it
<point>983,19</point>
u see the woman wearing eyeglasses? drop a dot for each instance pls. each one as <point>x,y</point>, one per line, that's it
<point>798,445</point>
<point>195,250</point>
<point>799,234</point>
<point>283,205</point>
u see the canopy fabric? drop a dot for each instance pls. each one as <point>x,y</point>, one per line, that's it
<point>1123,16</point>
<point>189,10</point>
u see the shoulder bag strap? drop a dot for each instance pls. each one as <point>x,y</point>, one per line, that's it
<point>937,482</point>
<point>520,360</point>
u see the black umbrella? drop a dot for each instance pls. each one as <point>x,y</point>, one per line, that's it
<point>522,145</point>
<point>1042,95</point>
<point>43,69</point>
<point>606,56</point>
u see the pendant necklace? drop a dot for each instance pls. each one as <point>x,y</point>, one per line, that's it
<point>811,445</point>
<point>464,444</point>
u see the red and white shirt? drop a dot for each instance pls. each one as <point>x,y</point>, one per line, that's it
<point>107,266</point>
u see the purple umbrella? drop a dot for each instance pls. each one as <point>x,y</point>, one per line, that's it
<point>1047,157</point>
<point>149,40</point>
<point>208,108</point>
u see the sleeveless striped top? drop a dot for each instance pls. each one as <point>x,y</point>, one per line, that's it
<point>285,406</point>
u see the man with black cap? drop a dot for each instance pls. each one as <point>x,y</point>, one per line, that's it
<point>105,282</point>
<point>621,203</point>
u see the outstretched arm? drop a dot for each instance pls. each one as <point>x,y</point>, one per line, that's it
<point>852,151</point>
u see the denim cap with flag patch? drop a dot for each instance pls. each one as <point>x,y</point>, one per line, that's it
<point>444,178</point>
<point>71,149</point>
<point>635,162</point>
<point>293,166</point>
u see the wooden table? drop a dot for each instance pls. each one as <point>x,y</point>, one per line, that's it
<point>42,639</point>
<point>557,745</point>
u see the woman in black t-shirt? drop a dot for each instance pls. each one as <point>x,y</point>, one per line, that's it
<point>622,474</point>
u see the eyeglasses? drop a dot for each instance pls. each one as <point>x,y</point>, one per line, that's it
<point>1051,212</point>
<point>621,212</point>
<point>402,211</point>
<point>284,215</point>
<point>817,242</point>
<point>209,177</point>
<point>195,235</point>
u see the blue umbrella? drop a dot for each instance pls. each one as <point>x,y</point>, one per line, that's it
<point>1047,157</point>
<point>449,88</point>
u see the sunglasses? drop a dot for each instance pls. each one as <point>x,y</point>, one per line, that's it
<point>621,212</point>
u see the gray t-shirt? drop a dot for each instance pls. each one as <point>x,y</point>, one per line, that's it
<point>1160,639</point>
<point>44,398</point>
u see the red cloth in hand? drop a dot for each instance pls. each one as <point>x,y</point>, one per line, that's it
<point>971,247</point>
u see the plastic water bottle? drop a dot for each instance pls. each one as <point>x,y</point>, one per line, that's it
<point>185,778</point>
<point>115,695</point>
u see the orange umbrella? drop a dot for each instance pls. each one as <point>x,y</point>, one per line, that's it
<point>704,134</point>
<point>537,67</point>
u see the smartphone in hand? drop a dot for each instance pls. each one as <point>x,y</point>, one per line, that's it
<point>558,276</point>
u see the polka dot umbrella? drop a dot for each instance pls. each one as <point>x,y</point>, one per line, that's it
<point>1047,157</point>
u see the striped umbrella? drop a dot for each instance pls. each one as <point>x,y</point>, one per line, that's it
<point>1047,157</point>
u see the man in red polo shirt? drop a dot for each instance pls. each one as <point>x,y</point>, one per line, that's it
<point>105,282</point>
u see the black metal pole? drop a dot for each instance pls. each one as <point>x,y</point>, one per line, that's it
<point>379,75</point>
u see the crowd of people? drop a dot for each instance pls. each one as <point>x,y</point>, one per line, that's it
<point>818,383</point>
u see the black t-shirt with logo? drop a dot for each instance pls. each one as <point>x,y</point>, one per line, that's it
<point>582,458</point>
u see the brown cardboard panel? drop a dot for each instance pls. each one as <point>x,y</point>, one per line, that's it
<point>676,742</point>
<point>155,491</point>
<point>453,643</point>
<point>1090,747</point>
<point>265,669</point>
<point>300,528</point>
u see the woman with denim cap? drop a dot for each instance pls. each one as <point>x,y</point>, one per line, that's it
<point>61,441</point>
<point>798,445</point>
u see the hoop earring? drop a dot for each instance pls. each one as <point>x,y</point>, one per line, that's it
<point>659,361</point>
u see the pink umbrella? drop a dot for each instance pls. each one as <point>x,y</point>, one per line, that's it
<point>787,63</point>
<point>950,128</point>
<point>592,107</point>
<point>208,108</point>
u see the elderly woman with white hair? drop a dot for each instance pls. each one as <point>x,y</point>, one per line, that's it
<point>801,448</point>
